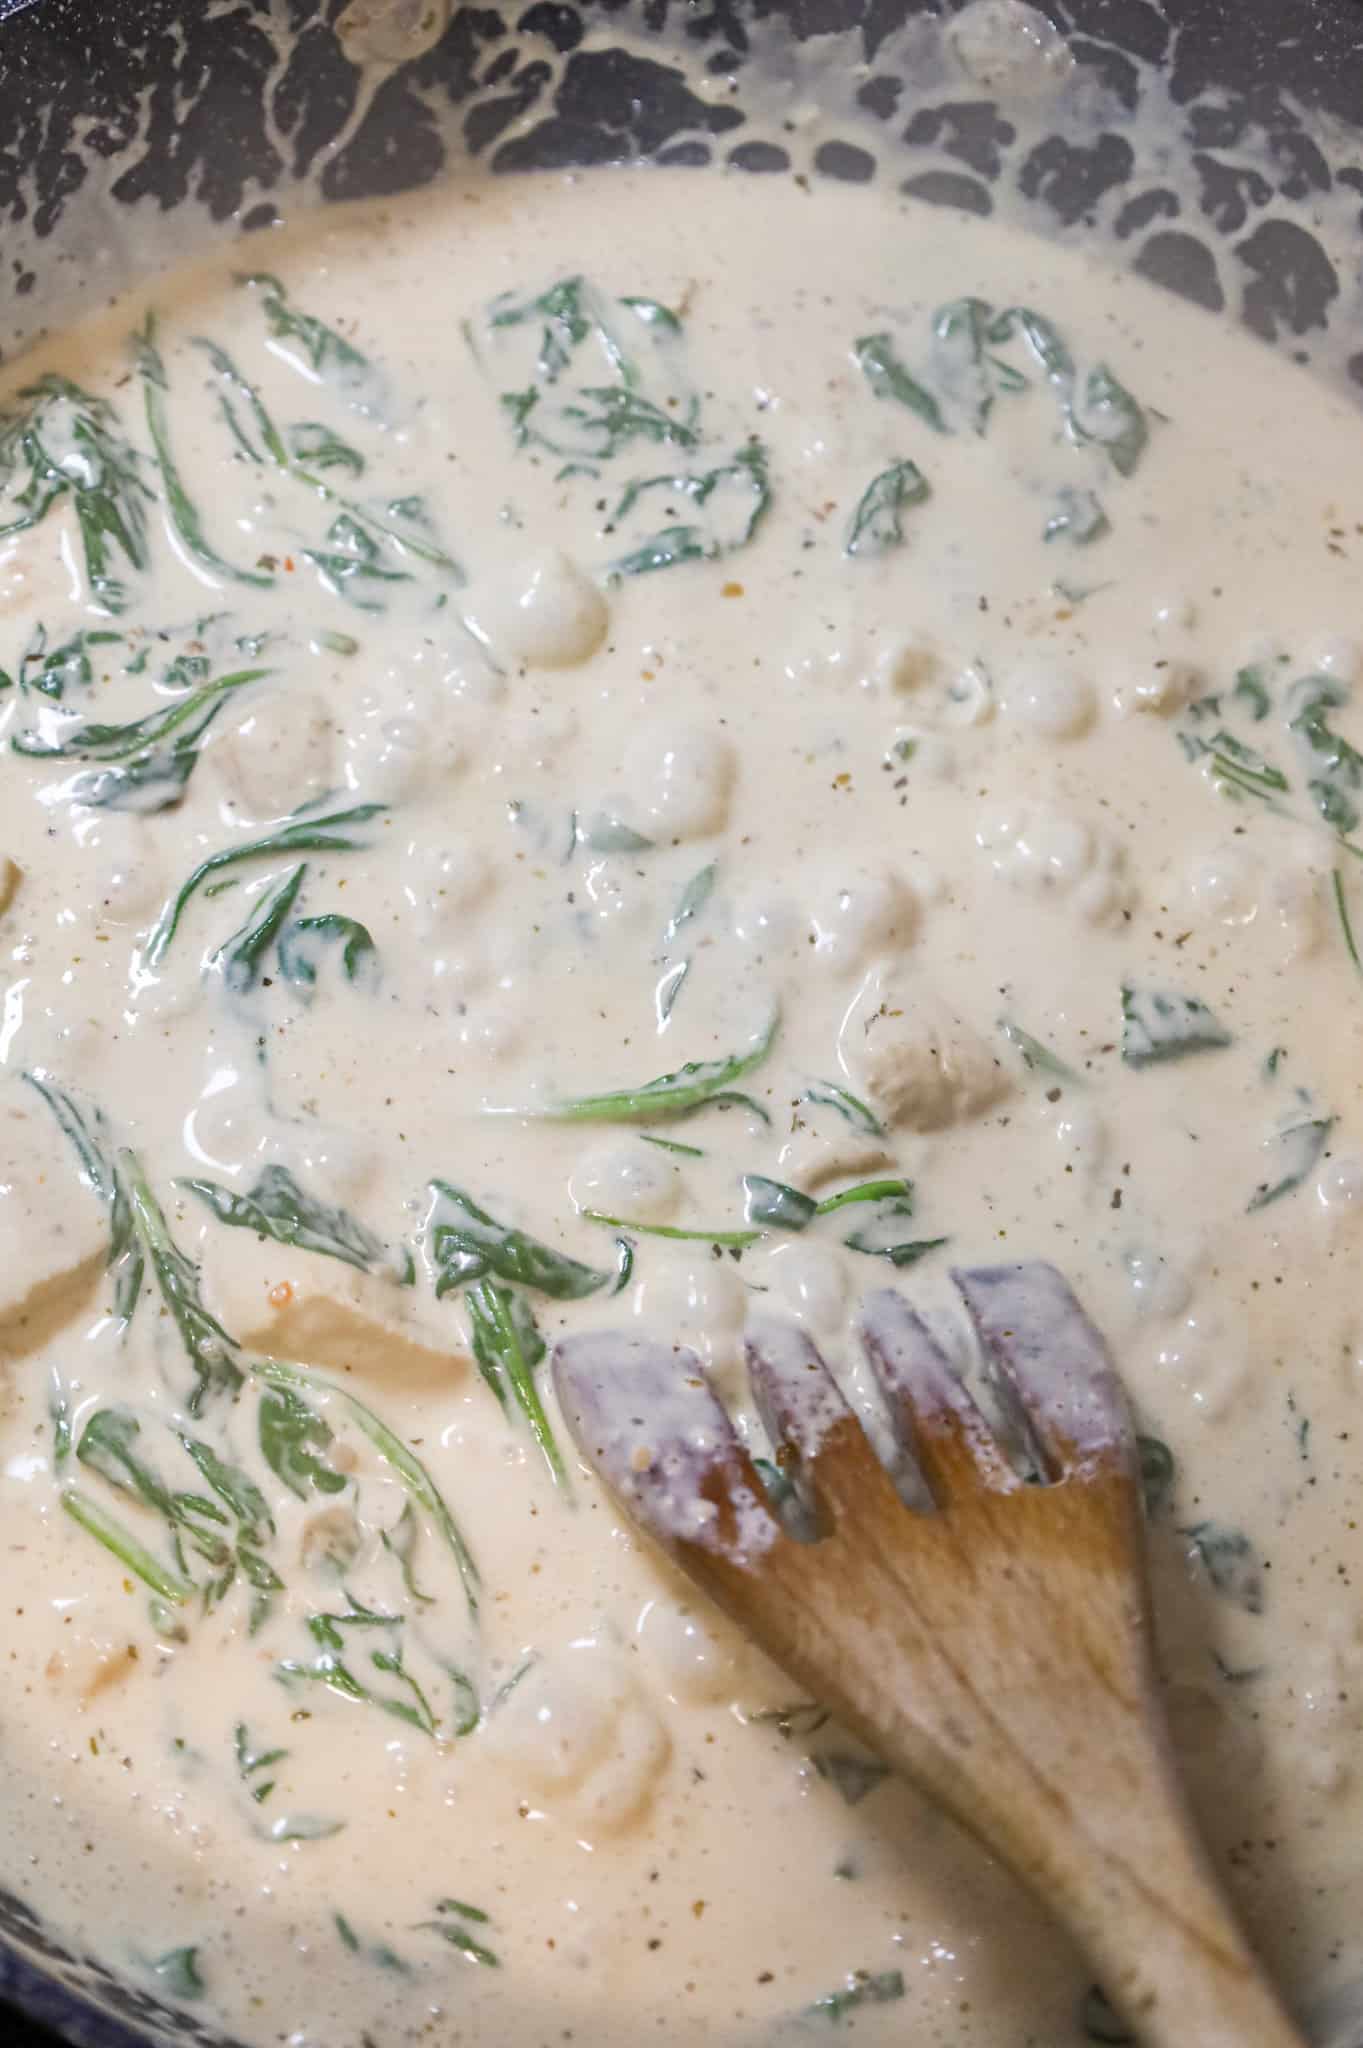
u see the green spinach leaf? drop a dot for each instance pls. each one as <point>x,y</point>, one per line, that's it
<point>1230,1562</point>
<point>1298,1149</point>
<point>294,1440</point>
<point>66,444</point>
<point>304,944</point>
<point>456,1930</point>
<point>879,362</point>
<point>211,1352</point>
<point>236,1488</point>
<point>508,1348</point>
<point>1235,770</point>
<point>88,1135</point>
<point>467,1244</point>
<point>304,832</point>
<point>1078,517</point>
<point>1158,1025</point>
<point>132,1554</point>
<point>876,523</point>
<point>401,1542</point>
<point>403,524</point>
<point>853,1778</point>
<point>179,1975</point>
<point>181,509</point>
<point>314,346</point>
<point>828,1095</point>
<point>1157,1473</point>
<point>51,671</point>
<point>251,1761</point>
<point>148,762</point>
<point>329,1668</point>
<point>575,326</point>
<point>735,497</point>
<point>313,444</point>
<point>300,1380</point>
<point>967,376</point>
<point>1107,413</point>
<point>276,1207</point>
<point>1338,767</point>
<point>1036,1057</point>
<point>774,1206</point>
<point>1251,689</point>
<point>240,960</point>
<point>108,1445</point>
<point>351,564</point>
<point>859,1988</point>
<point>691,902</point>
<point>670,1095</point>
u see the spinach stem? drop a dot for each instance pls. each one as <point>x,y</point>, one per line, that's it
<point>1346,923</point>
<point>125,1547</point>
<point>669,1095</point>
<point>735,1239</point>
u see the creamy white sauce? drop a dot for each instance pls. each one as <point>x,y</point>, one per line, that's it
<point>881,805</point>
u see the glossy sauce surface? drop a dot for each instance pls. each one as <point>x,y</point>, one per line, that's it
<point>666,715</point>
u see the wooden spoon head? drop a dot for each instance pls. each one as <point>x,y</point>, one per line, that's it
<point>994,1645</point>
<point>644,1414</point>
<point>646,1417</point>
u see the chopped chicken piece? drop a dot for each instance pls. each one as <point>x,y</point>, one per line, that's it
<point>54,1229</point>
<point>314,1310</point>
<point>917,1059</point>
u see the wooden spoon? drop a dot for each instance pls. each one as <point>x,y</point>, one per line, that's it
<point>997,1650</point>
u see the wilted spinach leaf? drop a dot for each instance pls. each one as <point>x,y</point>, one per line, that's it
<point>467,1243</point>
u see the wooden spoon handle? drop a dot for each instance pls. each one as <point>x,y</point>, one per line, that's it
<point>1088,1812</point>
<point>1097,1829</point>
<point>1086,1807</point>
<point>1157,1965</point>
